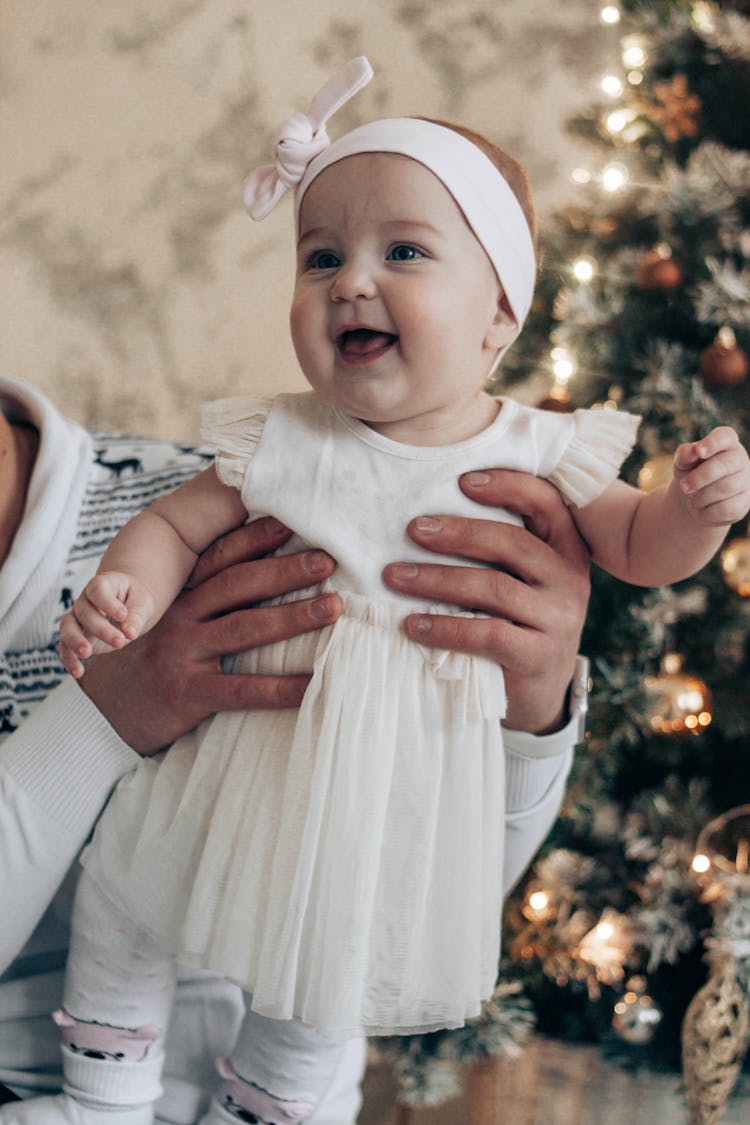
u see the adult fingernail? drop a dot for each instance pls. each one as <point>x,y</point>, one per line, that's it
<point>476,480</point>
<point>322,609</point>
<point>420,623</point>
<point>428,523</point>
<point>315,562</point>
<point>403,571</point>
<point>274,526</point>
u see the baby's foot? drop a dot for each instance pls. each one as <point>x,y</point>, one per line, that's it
<point>63,1110</point>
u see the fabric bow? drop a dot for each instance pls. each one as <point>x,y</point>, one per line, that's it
<point>301,138</point>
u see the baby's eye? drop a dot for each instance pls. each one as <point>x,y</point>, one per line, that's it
<point>324,260</point>
<point>404,252</point>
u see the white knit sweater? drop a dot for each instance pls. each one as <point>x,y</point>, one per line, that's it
<point>60,759</point>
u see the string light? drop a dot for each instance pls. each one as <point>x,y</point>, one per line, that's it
<point>614,177</point>
<point>703,16</point>
<point>581,176</point>
<point>539,900</point>
<point>701,864</point>
<point>635,77</point>
<point>583,270</point>
<point>563,366</point>
<point>618,119</point>
<point>633,53</point>
<point>612,85</point>
<point>610,14</point>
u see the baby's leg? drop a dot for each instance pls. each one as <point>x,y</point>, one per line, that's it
<point>119,990</point>
<point>278,1074</point>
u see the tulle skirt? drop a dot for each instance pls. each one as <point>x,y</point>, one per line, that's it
<point>341,862</point>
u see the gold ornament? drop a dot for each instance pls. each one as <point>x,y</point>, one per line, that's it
<point>715,1034</point>
<point>658,270</point>
<point>735,566</point>
<point>677,702</point>
<point>637,1015</point>
<point>656,472</point>
<point>722,363</point>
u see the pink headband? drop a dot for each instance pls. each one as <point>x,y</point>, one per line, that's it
<point>303,151</point>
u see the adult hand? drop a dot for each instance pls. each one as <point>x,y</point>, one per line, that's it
<point>161,685</point>
<point>534,591</point>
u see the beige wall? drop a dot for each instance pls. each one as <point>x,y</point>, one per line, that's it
<point>132,284</point>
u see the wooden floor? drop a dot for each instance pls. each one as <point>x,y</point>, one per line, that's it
<point>552,1083</point>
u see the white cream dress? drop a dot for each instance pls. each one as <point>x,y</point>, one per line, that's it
<point>343,862</point>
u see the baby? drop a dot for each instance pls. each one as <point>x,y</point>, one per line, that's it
<point>343,863</point>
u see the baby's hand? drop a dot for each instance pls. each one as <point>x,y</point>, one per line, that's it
<point>713,475</point>
<point>111,611</point>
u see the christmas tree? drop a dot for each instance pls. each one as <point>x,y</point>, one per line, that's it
<point>642,891</point>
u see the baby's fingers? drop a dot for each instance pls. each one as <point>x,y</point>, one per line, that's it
<point>92,622</point>
<point>724,501</point>
<point>692,453</point>
<point>70,660</point>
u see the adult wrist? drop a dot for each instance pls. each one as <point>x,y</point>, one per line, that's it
<point>572,728</point>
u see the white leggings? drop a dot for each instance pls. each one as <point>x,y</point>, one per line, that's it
<point>121,977</point>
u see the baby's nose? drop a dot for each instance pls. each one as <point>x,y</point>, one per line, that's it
<point>353,281</point>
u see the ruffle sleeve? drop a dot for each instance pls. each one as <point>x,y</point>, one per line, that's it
<point>233,427</point>
<point>601,441</point>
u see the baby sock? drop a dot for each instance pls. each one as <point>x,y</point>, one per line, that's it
<point>96,1092</point>
<point>240,1100</point>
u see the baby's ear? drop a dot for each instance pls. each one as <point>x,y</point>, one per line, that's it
<point>503,328</point>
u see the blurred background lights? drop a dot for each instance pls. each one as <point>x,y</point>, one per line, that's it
<point>610,14</point>
<point>618,119</point>
<point>612,85</point>
<point>614,177</point>
<point>701,863</point>
<point>539,900</point>
<point>580,176</point>
<point>633,54</point>
<point>562,366</point>
<point>703,16</point>
<point>583,269</point>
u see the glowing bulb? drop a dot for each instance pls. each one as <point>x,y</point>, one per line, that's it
<point>539,900</point>
<point>580,176</point>
<point>701,863</point>
<point>703,16</point>
<point>614,177</point>
<point>617,120</point>
<point>610,14</point>
<point>583,269</point>
<point>612,85</point>
<point>605,930</point>
<point>633,54</point>
<point>563,369</point>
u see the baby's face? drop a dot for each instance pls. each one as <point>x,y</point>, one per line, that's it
<point>397,313</point>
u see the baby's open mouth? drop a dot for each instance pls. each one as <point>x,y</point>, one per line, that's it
<point>366,343</point>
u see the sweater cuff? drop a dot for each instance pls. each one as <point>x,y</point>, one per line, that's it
<point>543,745</point>
<point>67,758</point>
<point>534,762</point>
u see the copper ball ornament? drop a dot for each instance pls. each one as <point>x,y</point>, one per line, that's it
<point>677,702</point>
<point>723,363</point>
<point>735,566</point>
<point>658,271</point>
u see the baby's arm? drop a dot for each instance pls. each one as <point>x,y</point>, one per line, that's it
<point>656,538</point>
<point>145,567</point>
